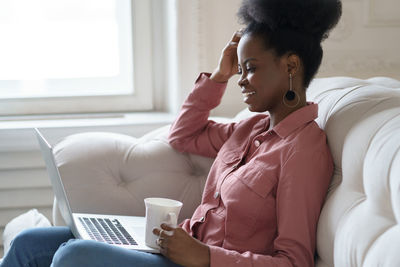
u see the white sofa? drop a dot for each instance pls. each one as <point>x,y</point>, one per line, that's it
<point>359,223</point>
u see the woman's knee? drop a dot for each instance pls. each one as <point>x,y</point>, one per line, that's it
<point>45,236</point>
<point>26,238</point>
<point>75,253</point>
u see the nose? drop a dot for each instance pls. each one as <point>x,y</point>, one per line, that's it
<point>242,81</point>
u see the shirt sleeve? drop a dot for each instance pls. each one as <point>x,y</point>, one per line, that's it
<point>185,225</point>
<point>192,131</point>
<point>301,191</point>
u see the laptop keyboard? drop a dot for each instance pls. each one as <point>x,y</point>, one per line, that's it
<point>107,231</point>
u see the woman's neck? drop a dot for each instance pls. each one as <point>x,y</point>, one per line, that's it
<point>277,116</point>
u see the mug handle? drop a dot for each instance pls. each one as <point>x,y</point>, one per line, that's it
<point>172,219</point>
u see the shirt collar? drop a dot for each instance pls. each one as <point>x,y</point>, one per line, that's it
<point>296,119</point>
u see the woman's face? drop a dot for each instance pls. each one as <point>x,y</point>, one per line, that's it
<point>264,77</point>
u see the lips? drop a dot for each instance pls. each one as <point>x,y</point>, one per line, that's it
<point>247,94</point>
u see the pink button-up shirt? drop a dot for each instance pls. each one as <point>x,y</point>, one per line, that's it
<point>265,189</point>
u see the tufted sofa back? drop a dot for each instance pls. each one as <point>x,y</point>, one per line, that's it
<point>359,223</point>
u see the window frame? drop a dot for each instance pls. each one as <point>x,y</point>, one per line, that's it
<point>140,100</point>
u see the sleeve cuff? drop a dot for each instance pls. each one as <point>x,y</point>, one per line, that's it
<point>185,225</point>
<point>207,93</point>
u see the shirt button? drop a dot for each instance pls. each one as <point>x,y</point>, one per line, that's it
<point>202,219</point>
<point>216,195</point>
<point>257,143</point>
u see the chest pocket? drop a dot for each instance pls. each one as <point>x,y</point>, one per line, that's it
<point>249,204</point>
<point>258,177</point>
<point>229,157</point>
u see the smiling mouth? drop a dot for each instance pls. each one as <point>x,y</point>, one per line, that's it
<point>247,94</point>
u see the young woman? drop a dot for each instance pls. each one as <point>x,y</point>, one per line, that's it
<point>265,190</point>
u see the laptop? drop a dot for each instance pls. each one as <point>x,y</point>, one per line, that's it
<point>122,231</point>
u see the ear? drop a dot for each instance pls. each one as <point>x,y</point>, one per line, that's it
<point>293,63</point>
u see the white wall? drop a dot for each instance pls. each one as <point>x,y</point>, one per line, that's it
<point>366,42</point>
<point>218,22</point>
<point>210,25</point>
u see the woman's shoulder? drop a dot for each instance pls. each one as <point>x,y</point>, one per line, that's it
<point>308,140</point>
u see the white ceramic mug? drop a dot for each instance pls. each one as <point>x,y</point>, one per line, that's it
<point>158,211</point>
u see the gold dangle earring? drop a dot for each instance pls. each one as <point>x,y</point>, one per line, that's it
<point>291,94</point>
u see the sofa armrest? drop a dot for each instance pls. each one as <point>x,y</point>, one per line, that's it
<point>112,173</point>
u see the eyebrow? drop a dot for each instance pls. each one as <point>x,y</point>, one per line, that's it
<point>249,59</point>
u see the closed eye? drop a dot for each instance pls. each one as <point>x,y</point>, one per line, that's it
<point>239,70</point>
<point>250,70</point>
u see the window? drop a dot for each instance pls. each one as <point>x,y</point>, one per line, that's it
<point>68,56</point>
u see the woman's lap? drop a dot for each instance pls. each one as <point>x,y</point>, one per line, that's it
<point>91,253</point>
<point>43,246</point>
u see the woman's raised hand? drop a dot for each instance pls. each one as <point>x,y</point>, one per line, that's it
<point>228,63</point>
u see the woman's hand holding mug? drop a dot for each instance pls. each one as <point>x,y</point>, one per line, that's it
<point>182,248</point>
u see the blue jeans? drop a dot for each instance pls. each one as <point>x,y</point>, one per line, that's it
<point>56,247</point>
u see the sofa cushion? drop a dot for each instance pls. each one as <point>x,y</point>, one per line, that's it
<point>30,219</point>
<point>113,173</point>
